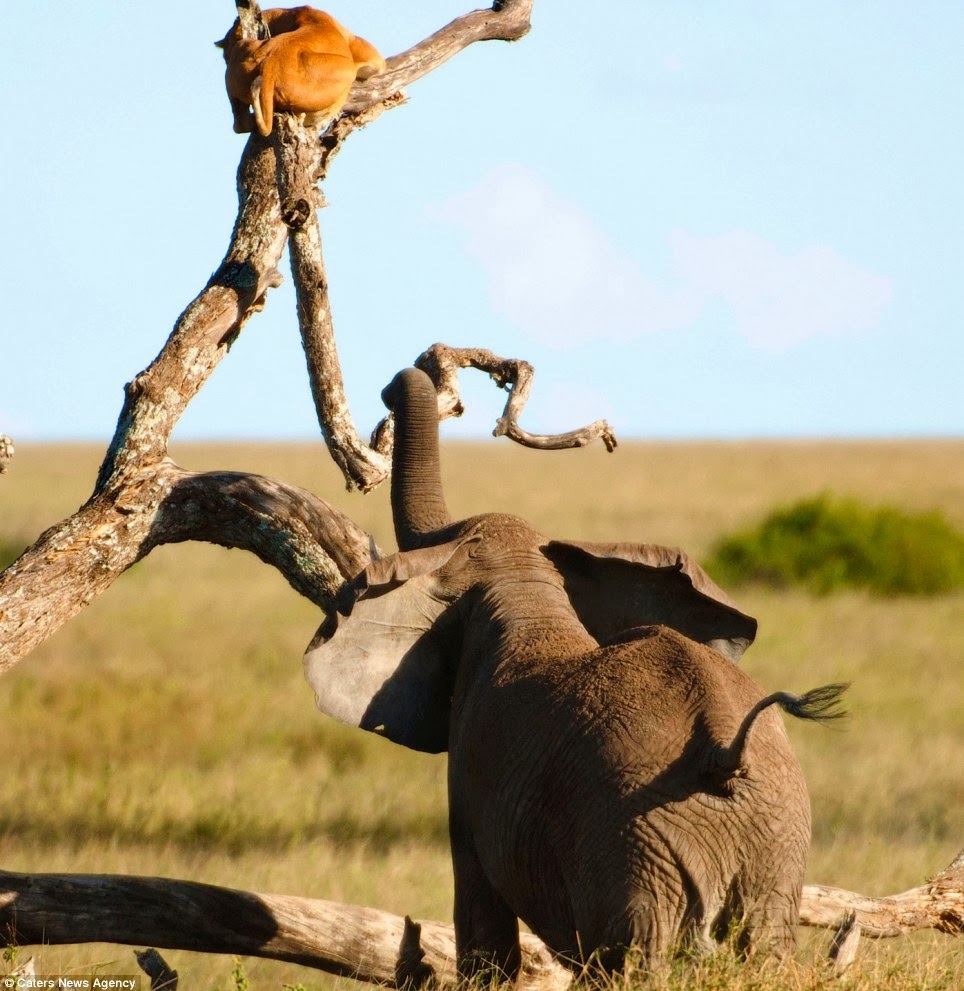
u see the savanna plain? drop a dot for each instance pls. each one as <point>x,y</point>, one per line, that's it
<point>168,729</point>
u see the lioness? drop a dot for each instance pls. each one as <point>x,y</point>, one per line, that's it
<point>307,66</point>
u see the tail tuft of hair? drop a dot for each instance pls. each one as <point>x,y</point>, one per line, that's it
<point>823,704</point>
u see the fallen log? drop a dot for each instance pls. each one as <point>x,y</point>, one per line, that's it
<point>938,904</point>
<point>347,940</point>
<point>354,941</point>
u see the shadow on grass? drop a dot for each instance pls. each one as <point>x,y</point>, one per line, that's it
<point>231,833</point>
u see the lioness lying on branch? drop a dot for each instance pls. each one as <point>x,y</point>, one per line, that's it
<point>307,65</point>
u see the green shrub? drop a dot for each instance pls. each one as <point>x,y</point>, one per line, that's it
<point>10,550</point>
<point>826,544</point>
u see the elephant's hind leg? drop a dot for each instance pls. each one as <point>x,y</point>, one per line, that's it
<point>771,927</point>
<point>648,929</point>
<point>759,923</point>
<point>486,929</point>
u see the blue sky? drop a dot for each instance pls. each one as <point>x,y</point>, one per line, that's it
<point>697,219</point>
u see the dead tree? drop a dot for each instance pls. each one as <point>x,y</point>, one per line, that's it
<point>142,499</point>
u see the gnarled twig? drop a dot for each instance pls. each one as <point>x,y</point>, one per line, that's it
<point>442,364</point>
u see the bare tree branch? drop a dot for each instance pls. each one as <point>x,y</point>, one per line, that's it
<point>506,20</point>
<point>352,941</point>
<point>442,363</point>
<point>302,161</point>
<point>313,545</point>
<point>299,156</point>
<point>316,547</point>
<point>77,559</point>
<point>157,397</point>
<point>252,22</point>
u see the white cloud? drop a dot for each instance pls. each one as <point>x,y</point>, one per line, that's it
<point>555,274</point>
<point>551,270</point>
<point>781,300</point>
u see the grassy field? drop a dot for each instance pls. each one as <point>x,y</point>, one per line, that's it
<point>168,730</point>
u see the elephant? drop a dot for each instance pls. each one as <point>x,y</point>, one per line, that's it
<point>615,780</point>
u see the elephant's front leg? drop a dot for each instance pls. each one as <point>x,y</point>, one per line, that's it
<point>486,929</point>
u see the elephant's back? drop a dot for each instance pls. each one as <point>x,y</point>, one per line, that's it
<point>604,726</point>
<point>598,811</point>
<point>649,717</point>
<point>661,691</point>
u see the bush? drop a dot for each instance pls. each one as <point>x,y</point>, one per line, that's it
<point>827,544</point>
<point>10,550</point>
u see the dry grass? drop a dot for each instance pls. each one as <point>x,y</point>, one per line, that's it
<point>168,730</point>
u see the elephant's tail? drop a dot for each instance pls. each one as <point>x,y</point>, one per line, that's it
<point>821,704</point>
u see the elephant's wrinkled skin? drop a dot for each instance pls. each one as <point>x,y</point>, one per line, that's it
<point>604,793</point>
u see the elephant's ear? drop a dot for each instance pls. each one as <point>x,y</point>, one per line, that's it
<point>614,587</point>
<point>381,664</point>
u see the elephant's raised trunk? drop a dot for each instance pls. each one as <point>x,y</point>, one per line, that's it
<point>418,504</point>
<point>820,704</point>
